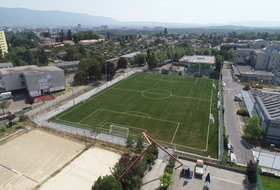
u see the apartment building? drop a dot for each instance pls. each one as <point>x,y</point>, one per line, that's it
<point>37,80</point>
<point>3,43</point>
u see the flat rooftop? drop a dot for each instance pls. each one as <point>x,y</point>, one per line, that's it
<point>247,71</point>
<point>29,69</point>
<point>270,102</point>
<point>131,55</point>
<point>65,63</point>
<point>185,58</point>
<point>202,59</point>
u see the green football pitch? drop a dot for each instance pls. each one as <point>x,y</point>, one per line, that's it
<point>173,110</point>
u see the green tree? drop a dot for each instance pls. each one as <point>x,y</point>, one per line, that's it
<point>61,36</point>
<point>218,63</point>
<point>165,31</point>
<point>231,54</point>
<point>107,182</point>
<point>81,76</point>
<point>253,127</point>
<point>69,35</point>
<point>165,180</point>
<point>70,56</point>
<point>47,35</point>
<point>122,63</point>
<point>129,143</point>
<point>247,87</point>
<point>153,61</point>
<point>139,144</point>
<point>133,179</point>
<point>109,70</point>
<point>139,59</point>
<point>4,104</point>
<point>252,171</point>
<point>29,100</point>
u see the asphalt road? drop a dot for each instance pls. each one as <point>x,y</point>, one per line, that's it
<point>232,122</point>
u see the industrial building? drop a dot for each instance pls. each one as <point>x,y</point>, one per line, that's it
<point>267,106</point>
<point>37,80</point>
<point>3,43</point>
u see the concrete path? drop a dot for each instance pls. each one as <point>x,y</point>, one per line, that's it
<point>150,180</point>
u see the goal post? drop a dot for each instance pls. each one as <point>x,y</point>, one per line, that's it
<point>119,131</point>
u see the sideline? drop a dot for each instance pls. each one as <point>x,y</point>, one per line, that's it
<point>11,135</point>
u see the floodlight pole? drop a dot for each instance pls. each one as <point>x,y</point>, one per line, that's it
<point>106,73</point>
<point>73,96</point>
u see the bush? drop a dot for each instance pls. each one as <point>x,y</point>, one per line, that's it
<point>226,143</point>
<point>252,171</point>
<point>247,87</point>
<point>163,71</point>
<point>242,112</point>
<point>172,162</point>
<point>168,169</point>
<point>23,118</point>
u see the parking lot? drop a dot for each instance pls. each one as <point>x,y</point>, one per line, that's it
<point>220,178</point>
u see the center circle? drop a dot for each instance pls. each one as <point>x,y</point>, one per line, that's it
<point>156,93</point>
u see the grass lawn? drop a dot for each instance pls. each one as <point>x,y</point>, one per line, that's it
<point>270,183</point>
<point>174,110</point>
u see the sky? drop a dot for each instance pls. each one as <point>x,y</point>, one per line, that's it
<point>178,11</point>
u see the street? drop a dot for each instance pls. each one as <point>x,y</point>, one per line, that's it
<point>232,120</point>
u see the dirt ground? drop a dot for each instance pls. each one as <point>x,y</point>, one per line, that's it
<point>83,171</point>
<point>33,157</point>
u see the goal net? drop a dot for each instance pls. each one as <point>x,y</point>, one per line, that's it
<point>214,86</point>
<point>211,119</point>
<point>119,131</point>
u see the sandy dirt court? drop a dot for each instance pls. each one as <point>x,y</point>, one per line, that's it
<point>33,157</point>
<point>83,171</point>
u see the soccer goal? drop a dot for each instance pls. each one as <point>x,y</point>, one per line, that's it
<point>211,119</point>
<point>214,86</point>
<point>119,131</point>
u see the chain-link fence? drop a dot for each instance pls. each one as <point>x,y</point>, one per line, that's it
<point>259,181</point>
<point>220,117</point>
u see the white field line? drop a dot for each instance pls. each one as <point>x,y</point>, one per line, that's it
<point>124,113</point>
<point>65,122</point>
<point>128,126</point>
<point>206,146</point>
<point>178,145</point>
<point>175,133</point>
<point>147,75</point>
<point>46,162</point>
<point>96,95</point>
<point>166,80</point>
<point>123,89</point>
<point>87,116</point>
<point>55,160</point>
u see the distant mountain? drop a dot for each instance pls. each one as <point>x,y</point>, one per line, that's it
<point>22,17</point>
<point>256,23</point>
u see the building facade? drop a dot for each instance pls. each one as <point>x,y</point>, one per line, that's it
<point>37,80</point>
<point>3,43</point>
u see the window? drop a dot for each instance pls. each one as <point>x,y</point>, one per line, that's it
<point>43,84</point>
<point>42,77</point>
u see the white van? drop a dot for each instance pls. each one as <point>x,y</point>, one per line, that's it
<point>224,85</point>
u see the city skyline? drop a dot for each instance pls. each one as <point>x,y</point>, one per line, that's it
<point>178,11</point>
